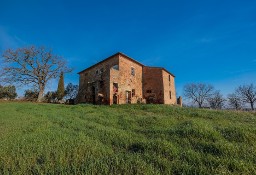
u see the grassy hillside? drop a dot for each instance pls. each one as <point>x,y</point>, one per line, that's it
<point>126,139</point>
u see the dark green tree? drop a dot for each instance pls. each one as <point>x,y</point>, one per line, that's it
<point>50,97</point>
<point>8,92</point>
<point>61,88</point>
<point>31,95</point>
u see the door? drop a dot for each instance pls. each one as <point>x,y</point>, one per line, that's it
<point>115,91</point>
<point>115,99</point>
<point>128,97</point>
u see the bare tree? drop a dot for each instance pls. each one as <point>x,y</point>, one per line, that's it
<point>235,101</point>
<point>32,65</point>
<point>216,101</point>
<point>247,93</point>
<point>71,91</point>
<point>198,93</point>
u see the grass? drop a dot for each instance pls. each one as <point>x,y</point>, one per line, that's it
<point>125,139</point>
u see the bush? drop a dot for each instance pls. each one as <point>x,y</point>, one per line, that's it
<point>51,97</point>
<point>8,92</point>
<point>31,95</point>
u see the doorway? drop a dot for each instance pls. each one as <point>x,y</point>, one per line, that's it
<point>115,99</point>
<point>128,97</point>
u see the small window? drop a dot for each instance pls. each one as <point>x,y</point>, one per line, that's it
<point>115,87</point>
<point>97,72</point>
<point>148,91</point>
<point>132,71</point>
<point>133,92</point>
<point>169,77</point>
<point>116,67</point>
<point>170,94</point>
<point>101,71</point>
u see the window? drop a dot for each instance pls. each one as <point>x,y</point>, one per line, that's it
<point>97,72</point>
<point>116,67</point>
<point>101,70</point>
<point>133,92</point>
<point>148,91</point>
<point>115,87</point>
<point>169,80</point>
<point>132,71</point>
<point>170,94</point>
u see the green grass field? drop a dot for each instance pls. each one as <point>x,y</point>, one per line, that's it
<point>125,139</point>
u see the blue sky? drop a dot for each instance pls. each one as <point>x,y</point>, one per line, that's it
<point>208,41</point>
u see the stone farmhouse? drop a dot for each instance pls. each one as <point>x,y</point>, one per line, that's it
<point>120,79</point>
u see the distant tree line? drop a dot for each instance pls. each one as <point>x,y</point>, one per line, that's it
<point>69,93</point>
<point>205,95</point>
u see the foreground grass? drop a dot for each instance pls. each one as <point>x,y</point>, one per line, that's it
<point>126,139</point>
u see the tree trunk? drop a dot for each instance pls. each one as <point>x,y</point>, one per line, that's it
<point>252,107</point>
<point>40,95</point>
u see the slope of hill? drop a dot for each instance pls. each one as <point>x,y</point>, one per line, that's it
<point>125,139</point>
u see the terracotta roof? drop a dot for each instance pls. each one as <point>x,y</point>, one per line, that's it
<point>119,53</point>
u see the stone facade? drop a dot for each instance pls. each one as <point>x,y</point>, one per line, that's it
<point>120,79</point>
<point>153,90</point>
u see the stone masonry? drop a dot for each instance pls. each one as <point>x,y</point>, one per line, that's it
<point>120,79</point>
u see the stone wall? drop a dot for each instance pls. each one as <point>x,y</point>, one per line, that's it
<point>94,84</point>
<point>127,83</point>
<point>169,88</point>
<point>120,79</point>
<point>153,85</point>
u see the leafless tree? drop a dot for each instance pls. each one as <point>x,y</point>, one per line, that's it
<point>216,101</point>
<point>247,93</point>
<point>198,93</point>
<point>32,66</point>
<point>235,101</point>
<point>71,91</point>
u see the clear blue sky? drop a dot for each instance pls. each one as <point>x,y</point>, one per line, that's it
<point>211,41</point>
